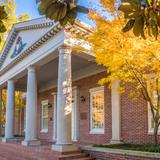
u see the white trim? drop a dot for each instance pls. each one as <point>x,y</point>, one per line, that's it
<point>150,128</point>
<point>116,112</point>
<point>75,111</point>
<point>45,102</point>
<point>96,89</point>
<point>92,92</point>
<point>44,131</point>
<point>54,94</point>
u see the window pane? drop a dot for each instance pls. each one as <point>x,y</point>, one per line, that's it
<point>98,110</point>
<point>44,117</point>
<point>45,123</point>
<point>45,111</point>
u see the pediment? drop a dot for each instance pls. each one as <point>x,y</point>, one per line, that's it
<point>21,37</point>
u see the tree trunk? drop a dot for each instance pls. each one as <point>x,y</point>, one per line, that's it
<point>156,133</point>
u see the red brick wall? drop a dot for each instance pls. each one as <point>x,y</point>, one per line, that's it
<point>134,119</point>
<point>84,125</point>
<point>85,137</point>
<point>47,95</point>
<point>134,116</point>
<point>112,156</point>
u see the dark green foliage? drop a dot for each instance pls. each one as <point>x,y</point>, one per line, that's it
<point>3,15</point>
<point>134,147</point>
<point>64,11</point>
<point>146,14</point>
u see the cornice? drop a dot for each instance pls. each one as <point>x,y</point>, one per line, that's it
<point>14,35</point>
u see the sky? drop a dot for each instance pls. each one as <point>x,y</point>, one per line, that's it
<point>30,7</point>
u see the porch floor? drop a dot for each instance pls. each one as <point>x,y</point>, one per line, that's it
<point>15,151</point>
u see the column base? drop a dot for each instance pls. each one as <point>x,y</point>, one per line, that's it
<point>5,140</point>
<point>64,147</point>
<point>116,141</point>
<point>31,143</point>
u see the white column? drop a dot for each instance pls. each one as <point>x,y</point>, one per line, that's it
<point>0,109</point>
<point>64,102</point>
<point>54,116</point>
<point>116,114</point>
<point>75,123</point>
<point>9,126</point>
<point>31,109</point>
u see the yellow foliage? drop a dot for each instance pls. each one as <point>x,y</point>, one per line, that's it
<point>127,58</point>
<point>19,104</point>
<point>12,18</point>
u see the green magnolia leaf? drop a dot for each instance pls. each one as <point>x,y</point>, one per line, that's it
<point>138,28</point>
<point>129,25</point>
<point>64,21</point>
<point>3,14</point>
<point>149,2</point>
<point>56,11</point>
<point>130,10</point>
<point>154,28</point>
<point>81,9</point>
<point>135,3</point>
<point>43,6</point>
<point>2,27</point>
<point>64,11</point>
<point>153,16</point>
<point>127,7</point>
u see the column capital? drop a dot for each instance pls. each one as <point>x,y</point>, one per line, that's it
<point>10,80</point>
<point>64,49</point>
<point>31,69</point>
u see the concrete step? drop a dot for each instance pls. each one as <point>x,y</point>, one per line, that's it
<point>79,156</point>
<point>87,158</point>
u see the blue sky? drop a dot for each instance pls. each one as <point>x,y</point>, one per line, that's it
<point>30,7</point>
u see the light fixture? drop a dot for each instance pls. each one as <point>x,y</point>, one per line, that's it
<point>83,99</point>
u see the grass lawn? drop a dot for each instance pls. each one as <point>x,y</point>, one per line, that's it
<point>134,147</point>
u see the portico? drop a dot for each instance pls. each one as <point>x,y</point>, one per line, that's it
<point>48,62</point>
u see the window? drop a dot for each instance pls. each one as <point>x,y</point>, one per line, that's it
<point>154,97</point>
<point>97,110</point>
<point>24,128</point>
<point>44,118</point>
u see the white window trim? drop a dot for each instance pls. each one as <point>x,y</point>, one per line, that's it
<point>150,129</point>
<point>24,129</point>
<point>93,91</point>
<point>43,103</point>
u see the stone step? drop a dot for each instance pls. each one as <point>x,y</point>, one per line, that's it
<point>86,158</point>
<point>73,156</point>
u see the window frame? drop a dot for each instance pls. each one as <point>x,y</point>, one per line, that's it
<point>43,103</point>
<point>93,91</point>
<point>150,128</point>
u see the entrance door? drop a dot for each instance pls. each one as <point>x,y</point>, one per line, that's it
<point>74,115</point>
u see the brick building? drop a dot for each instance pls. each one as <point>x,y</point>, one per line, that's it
<point>64,103</point>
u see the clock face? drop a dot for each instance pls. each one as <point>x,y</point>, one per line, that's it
<point>18,47</point>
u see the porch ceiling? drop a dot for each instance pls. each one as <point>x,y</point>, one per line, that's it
<point>48,73</point>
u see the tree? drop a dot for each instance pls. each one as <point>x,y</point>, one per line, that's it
<point>128,60</point>
<point>63,11</point>
<point>3,16</point>
<point>9,19</point>
<point>19,104</point>
<point>143,16</point>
